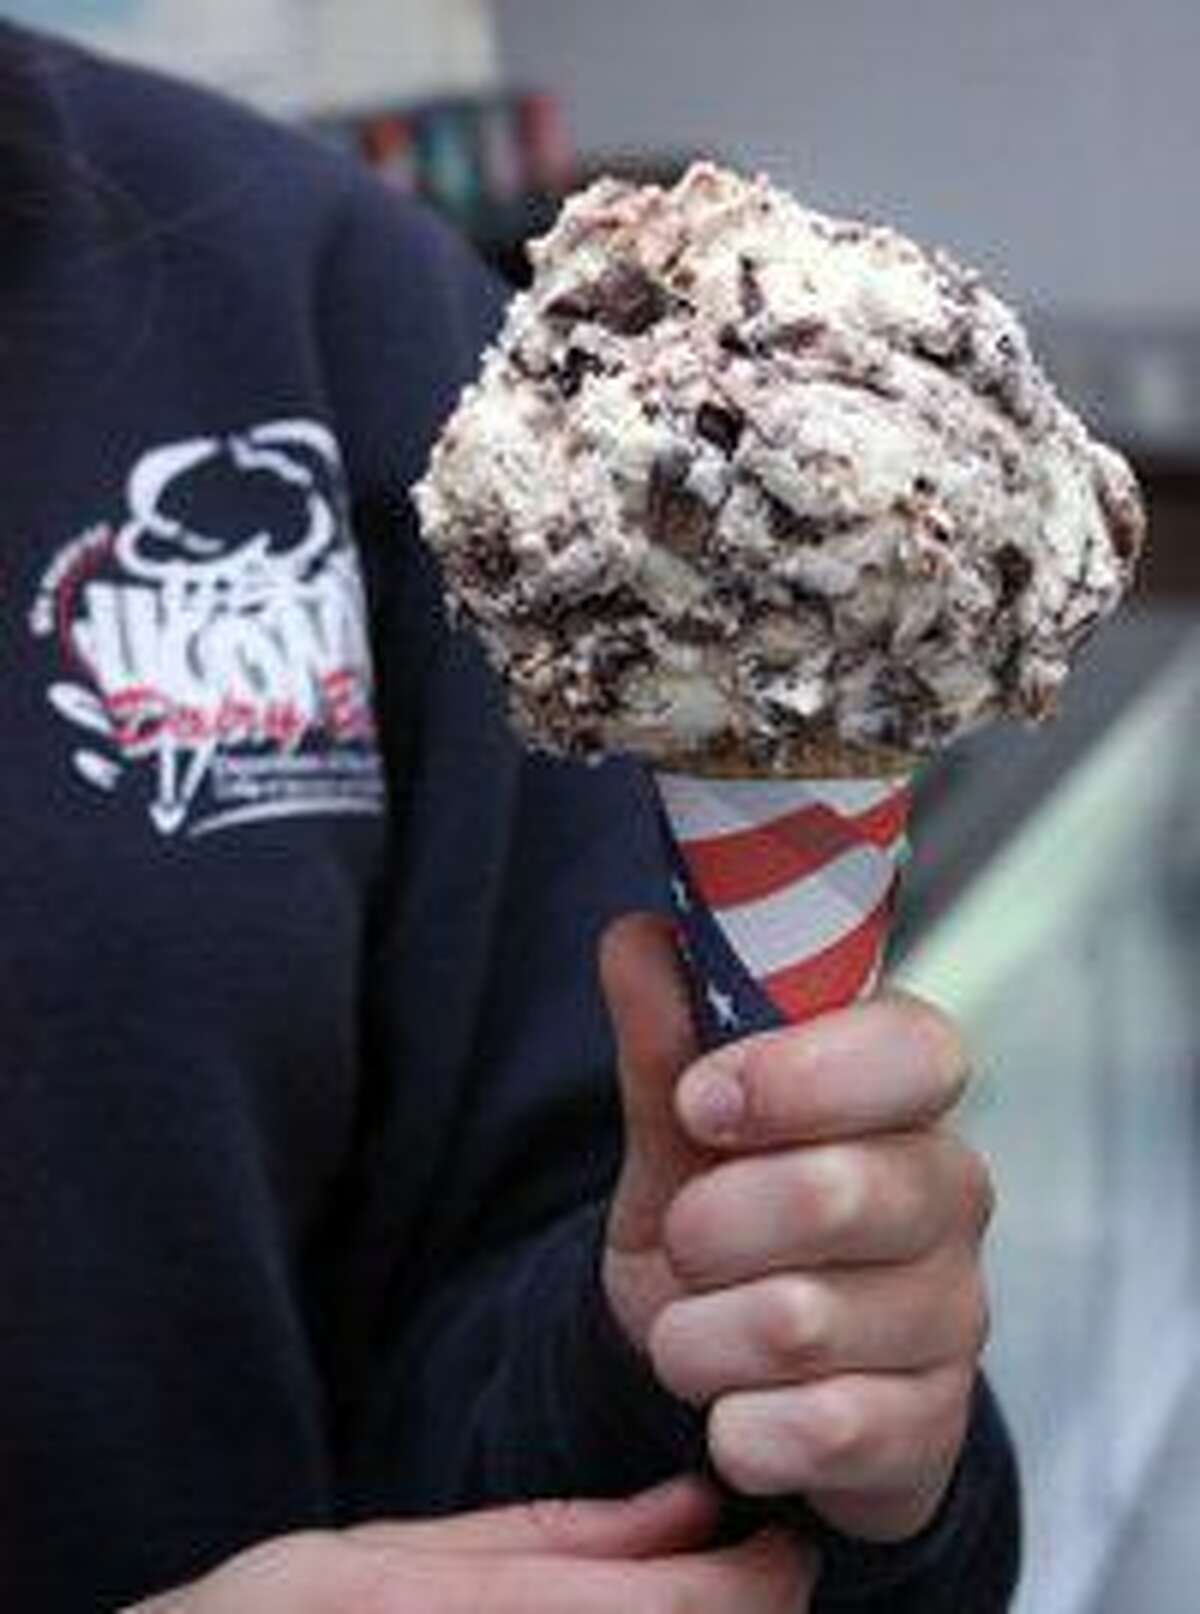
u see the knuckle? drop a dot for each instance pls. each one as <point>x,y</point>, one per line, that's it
<point>834,1191</point>
<point>823,1434</point>
<point>795,1323</point>
<point>835,1430</point>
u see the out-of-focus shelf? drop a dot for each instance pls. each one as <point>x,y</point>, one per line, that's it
<point>973,800</point>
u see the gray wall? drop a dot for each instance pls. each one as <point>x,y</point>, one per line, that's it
<point>292,56</point>
<point>1054,143</point>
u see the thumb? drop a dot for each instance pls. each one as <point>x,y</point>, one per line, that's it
<point>648,1001</point>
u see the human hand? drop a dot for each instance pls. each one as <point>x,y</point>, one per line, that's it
<point>807,1268</point>
<point>648,1555</point>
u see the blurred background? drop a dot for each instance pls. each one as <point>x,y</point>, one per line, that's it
<point>1053,901</point>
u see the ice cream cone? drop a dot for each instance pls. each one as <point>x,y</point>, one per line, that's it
<point>738,483</point>
<point>784,886</point>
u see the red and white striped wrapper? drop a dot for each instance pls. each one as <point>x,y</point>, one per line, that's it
<point>784,891</point>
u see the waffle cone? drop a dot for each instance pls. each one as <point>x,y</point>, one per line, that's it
<point>818,758</point>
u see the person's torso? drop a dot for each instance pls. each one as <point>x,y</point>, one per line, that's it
<point>192,822</point>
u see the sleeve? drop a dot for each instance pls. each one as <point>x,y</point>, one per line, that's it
<point>486,1366</point>
<point>968,1557</point>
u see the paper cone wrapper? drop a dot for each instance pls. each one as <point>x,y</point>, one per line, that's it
<point>784,891</point>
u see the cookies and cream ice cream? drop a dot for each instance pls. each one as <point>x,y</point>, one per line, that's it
<point>745,487</point>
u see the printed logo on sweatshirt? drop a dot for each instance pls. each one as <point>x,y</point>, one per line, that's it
<point>211,645</point>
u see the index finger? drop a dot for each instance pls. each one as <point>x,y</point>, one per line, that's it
<point>893,1063</point>
<point>769,1574</point>
<point>676,1516</point>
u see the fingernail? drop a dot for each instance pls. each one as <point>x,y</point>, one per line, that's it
<point>712,1104</point>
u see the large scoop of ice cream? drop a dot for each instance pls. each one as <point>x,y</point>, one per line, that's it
<point>740,482</point>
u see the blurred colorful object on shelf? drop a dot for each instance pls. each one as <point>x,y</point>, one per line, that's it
<point>389,145</point>
<point>496,163</point>
<point>549,155</point>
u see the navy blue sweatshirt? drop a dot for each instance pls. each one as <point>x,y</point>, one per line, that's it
<point>306,1106</point>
